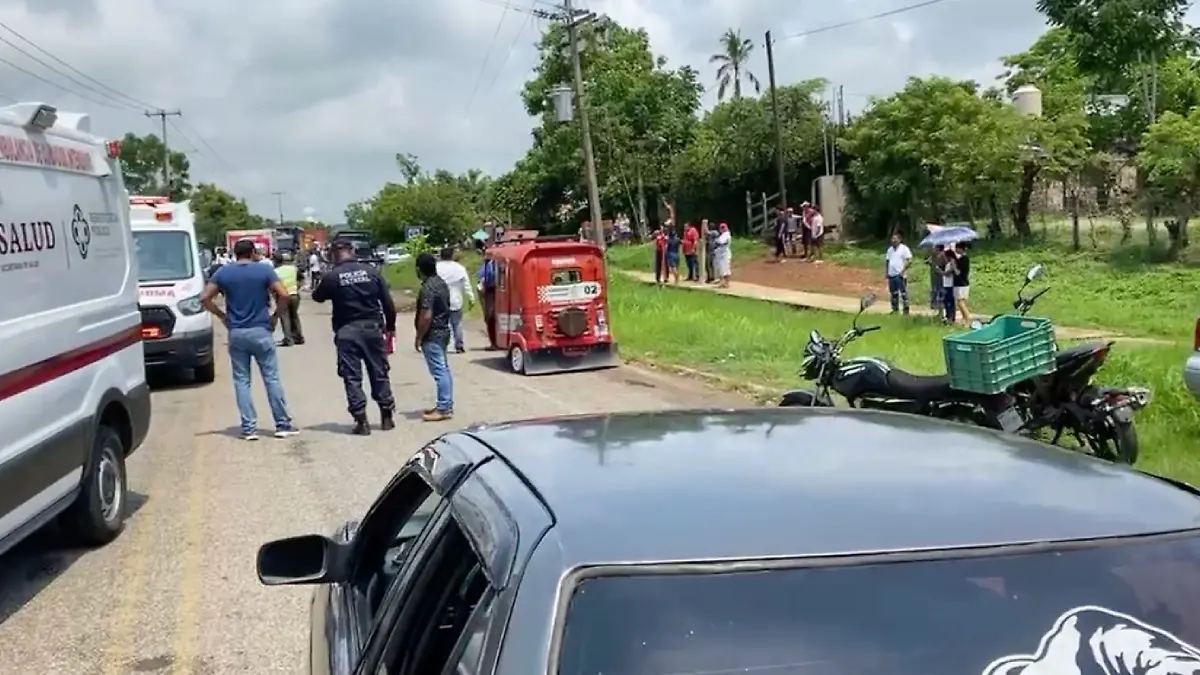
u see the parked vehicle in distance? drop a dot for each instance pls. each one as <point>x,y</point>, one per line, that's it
<point>395,254</point>
<point>1191,367</point>
<point>74,403</point>
<point>707,541</point>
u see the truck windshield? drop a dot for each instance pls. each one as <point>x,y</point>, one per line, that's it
<point>164,256</point>
<point>1130,608</point>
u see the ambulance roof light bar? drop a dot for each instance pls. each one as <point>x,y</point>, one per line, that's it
<point>42,116</point>
<point>148,200</point>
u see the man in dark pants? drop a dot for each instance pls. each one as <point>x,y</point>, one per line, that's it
<point>432,324</point>
<point>364,319</point>
<point>487,296</point>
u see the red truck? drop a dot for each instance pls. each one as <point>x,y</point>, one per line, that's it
<point>263,239</point>
<point>313,237</point>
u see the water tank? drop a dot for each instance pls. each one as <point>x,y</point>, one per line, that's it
<point>1028,101</point>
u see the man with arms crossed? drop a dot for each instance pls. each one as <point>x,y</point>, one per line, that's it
<point>247,286</point>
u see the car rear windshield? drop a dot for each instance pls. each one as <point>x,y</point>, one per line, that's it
<point>1128,608</point>
<point>164,256</point>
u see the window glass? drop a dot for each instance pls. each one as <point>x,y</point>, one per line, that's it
<point>1067,612</point>
<point>472,642</point>
<point>164,256</point>
<point>565,276</point>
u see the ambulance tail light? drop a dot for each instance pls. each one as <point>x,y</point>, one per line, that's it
<point>113,148</point>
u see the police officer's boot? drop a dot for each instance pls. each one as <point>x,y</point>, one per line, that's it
<point>387,419</point>
<point>361,426</point>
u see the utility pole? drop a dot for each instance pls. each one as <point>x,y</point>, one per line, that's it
<point>778,128</point>
<point>279,202</point>
<point>589,158</point>
<point>162,116</point>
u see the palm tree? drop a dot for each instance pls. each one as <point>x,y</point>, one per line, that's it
<point>734,57</point>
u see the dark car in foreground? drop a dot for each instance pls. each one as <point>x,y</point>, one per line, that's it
<point>775,541</point>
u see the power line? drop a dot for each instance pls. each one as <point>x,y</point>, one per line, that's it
<point>512,46</point>
<point>56,85</point>
<point>132,102</point>
<point>853,22</point>
<point>488,55</point>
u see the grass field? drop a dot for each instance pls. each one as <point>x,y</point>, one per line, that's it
<point>1106,287</point>
<point>760,343</point>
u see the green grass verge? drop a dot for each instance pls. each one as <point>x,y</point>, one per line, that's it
<point>402,279</point>
<point>1107,288</point>
<point>760,342</point>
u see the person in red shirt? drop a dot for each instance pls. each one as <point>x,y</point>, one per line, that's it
<point>691,236</point>
<point>660,255</point>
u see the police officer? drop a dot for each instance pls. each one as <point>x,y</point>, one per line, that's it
<point>364,319</point>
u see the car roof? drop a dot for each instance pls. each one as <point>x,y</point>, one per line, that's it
<point>779,482</point>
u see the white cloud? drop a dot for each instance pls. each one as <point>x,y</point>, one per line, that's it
<point>315,97</point>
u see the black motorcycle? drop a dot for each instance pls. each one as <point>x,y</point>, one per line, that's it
<point>869,382</point>
<point>1099,418</point>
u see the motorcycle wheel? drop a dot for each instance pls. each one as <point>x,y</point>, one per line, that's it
<point>804,399</point>
<point>1118,443</point>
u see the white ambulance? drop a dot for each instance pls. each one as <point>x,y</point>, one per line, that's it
<point>73,396</point>
<point>178,332</point>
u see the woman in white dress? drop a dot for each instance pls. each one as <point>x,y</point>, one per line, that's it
<point>723,255</point>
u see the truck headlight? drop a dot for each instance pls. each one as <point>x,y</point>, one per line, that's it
<point>190,306</point>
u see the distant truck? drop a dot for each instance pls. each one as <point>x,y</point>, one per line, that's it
<point>264,240</point>
<point>364,245</point>
<point>313,237</point>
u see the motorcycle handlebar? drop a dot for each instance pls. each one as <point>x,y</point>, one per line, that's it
<point>869,329</point>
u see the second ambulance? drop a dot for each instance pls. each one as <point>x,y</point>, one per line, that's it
<point>176,330</point>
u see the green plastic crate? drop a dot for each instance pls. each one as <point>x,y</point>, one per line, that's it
<point>988,360</point>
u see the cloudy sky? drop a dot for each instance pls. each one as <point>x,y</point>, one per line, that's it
<point>315,97</point>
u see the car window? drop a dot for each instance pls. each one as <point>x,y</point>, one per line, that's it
<point>470,646</point>
<point>1067,611</point>
<point>386,536</point>
<point>447,585</point>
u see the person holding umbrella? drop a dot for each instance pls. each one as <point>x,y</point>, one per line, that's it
<point>956,270</point>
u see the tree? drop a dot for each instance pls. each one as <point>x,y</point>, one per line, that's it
<point>409,167</point>
<point>1171,156</point>
<point>733,151</point>
<point>933,150</point>
<point>142,162</point>
<point>356,214</point>
<point>1056,143</point>
<point>734,58</point>
<point>642,112</point>
<point>440,206</point>
<point>217,212</point>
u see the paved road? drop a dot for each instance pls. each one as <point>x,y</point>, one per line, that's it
<point>176,593</point>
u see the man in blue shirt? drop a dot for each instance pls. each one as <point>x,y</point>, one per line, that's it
<point>487,295</point>
<point>247,286</point>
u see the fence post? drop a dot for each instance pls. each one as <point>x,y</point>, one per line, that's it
<point>749,212</point>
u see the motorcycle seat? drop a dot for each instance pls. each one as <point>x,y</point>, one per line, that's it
<point>1074,351</point>
<point>918,387</point>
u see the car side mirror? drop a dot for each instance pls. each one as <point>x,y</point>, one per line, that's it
<point>1033,273</point>
<point>866,301</point>
<point>308,559</point>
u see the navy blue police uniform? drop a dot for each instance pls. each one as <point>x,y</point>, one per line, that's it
<point>363,315</point>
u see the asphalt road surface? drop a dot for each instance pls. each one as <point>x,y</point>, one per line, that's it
<point>177,593</point>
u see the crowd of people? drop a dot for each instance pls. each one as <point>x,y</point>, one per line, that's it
<point>949,278</point>
<point>261,294</point>
<point>799,236</point>
<point>670,246</point>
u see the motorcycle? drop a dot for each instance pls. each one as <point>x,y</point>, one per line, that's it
<point>1100,418</point>
<point>869,382</point>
